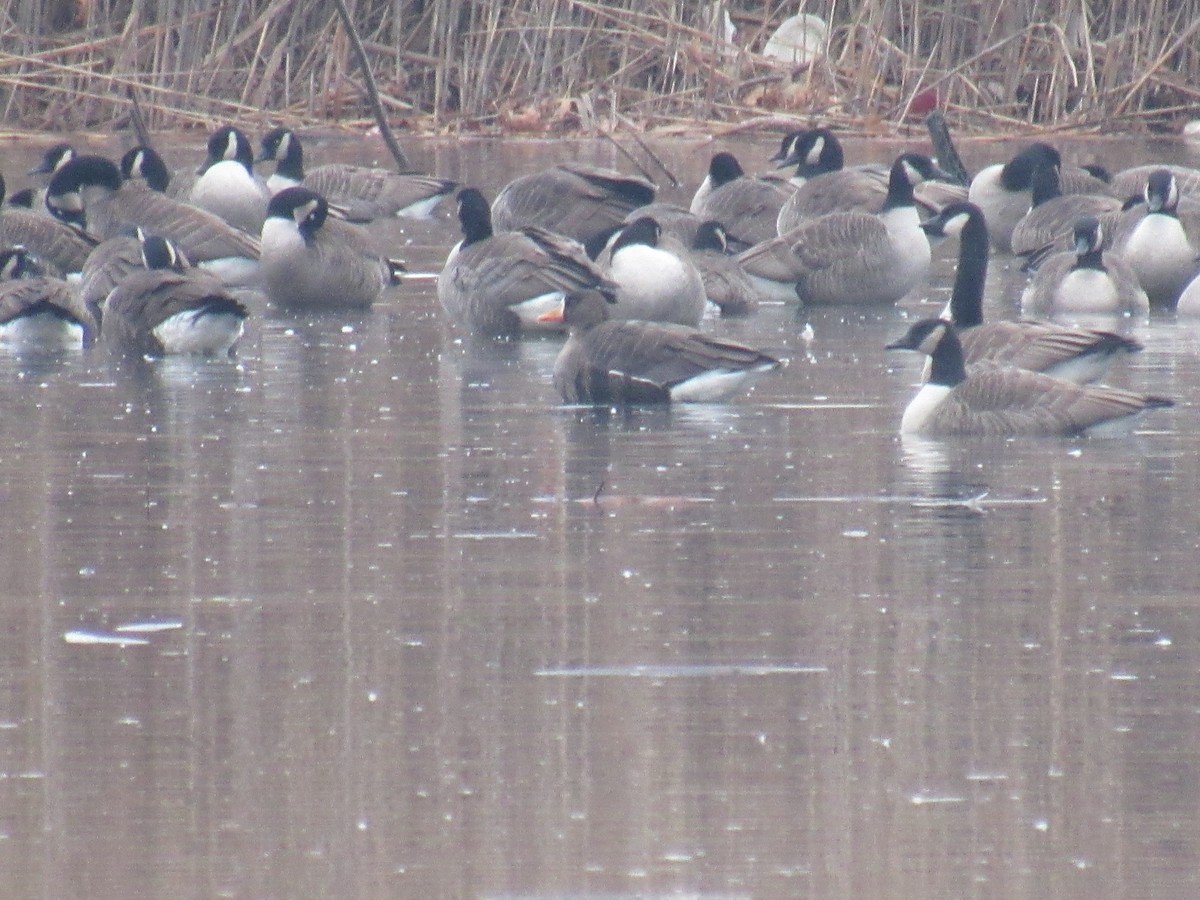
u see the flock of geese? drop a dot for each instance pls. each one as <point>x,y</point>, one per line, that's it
<point>152,262</point>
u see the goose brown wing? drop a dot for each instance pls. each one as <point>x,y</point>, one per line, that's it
<point>28,295</point>
<point>840,191</point>
<point>665,354</point>
<point>1052,222</point>
<point>62,246</point>
<point>366,193</point>
<point>200,234</point>
<point>1017,401</point>
<point>1034,345</point>
<point>748,207</point>
<point>570,199</point>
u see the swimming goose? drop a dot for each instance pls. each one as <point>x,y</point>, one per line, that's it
<point>39,311</point>
<point>1160,246</point>
<point>310,259</point>
<point>849,257</point>
<point>361,192</point>
<point>226,184</point>
<point>609,361</point>
<point>499,282</point>
<point>61,247</point>
<point>1085,280</point>
<point>863,189</point>
<point>1076,354</point>
<point>1052,215</point>
<point>746,205</point>
<point>572,199</point>
<point>169,308</point>
<point>1002,402</point>
<point>89,192</point>
<point>725,282</point>
<point>655,278</point>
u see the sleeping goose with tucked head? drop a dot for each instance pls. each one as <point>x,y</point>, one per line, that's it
<point>1076,354</point>
<point>608,361</point>
<point>39,311</point>
<point>1004,402</point>
<point>62,248</point>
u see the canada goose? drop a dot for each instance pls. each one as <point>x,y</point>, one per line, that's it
<point>746,205</point>
<point>53,159</point>
<point>679,223</point>
<point>726,284</point>
<point>310,259</point>
<point>1131,182</point>
<point>169,308</point>
<point>813,151</point>
<point>571,199</point>
<point>1004,191</point>
<point>609,361</point>
<point>848,257</point>
<point>655,278</point>
<point>1076,354</point>
<point>39,311</point>
<point>862,189</point>
<point>1005,401</point>
<point>499,282</point>
<point>110,263</point>
<point>1052,216</point>
<point>226,184</point>
<point>361,192</point>
<point>1085,280</point>
<point>61,247</point>
<point>1158,244</point>
<point>1189,300</point>
<point>88,191</point>
<point>145,164</point>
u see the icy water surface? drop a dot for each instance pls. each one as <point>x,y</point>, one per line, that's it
<point>365,612</point>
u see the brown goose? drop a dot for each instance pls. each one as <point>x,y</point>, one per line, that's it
<point>1075,354</point>
<point>310,259</point>
<point>608,361</point>
<point>725,282</point>
<point>1052,215</point>
<point>1131,182</point>
<point>169,308</point>
<point>850,257</point>
<point>89,192</point>
<point>1003,402</point>
<point>746,205</point>
<point>361,192</point>
<point>61,247</point>
<point>39,311</point>
<point>571,199</point>
<point>499,282</point>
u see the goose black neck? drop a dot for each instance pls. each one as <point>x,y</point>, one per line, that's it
<point>1092,259</point>
<point>966,300</point>
<point>946,362</point>
<point>1046,184</point>
<point>475,216</point>
<point>900,187</point>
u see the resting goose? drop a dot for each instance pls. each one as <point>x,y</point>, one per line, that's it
<point>89,192</point>
<point>850,257</point>
<point>654,275</point>
<point>1003,402</point>
<point>226,184</point>
<point>726,283</point>
<point>39,311</point>
<point>169,308</point>
<point>1076,354</point>
<point>1160,246</point>
<point>608,361</point>
<point>62,248</point>
<point>499,282</point>
<point>1131,182</point>
<point>142,163</point>
<point>572,199</point>
<point>1052,215</point>
<point>1085,280</point>
<point>746,205</point>
<point>310,259</point>
<point>363,193</point>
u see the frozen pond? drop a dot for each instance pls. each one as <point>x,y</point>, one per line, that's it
<point>366,612</point>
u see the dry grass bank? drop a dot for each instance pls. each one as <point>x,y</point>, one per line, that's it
<point>585,65</point>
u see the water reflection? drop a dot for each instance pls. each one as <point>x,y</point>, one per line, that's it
<point>442,635</point>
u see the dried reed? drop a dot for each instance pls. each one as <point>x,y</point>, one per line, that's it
<point>601,65</point>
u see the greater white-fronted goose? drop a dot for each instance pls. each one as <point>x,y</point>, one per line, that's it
<point>619,361</point>
<point>1007,401</point>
